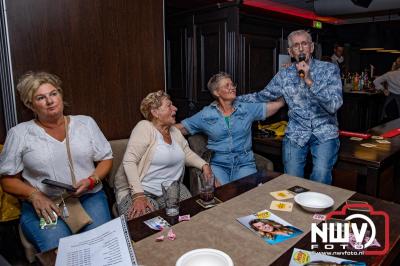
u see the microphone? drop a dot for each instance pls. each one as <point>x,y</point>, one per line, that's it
<point>302,57</point>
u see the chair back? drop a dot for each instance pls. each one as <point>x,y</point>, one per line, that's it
<point>198,144</point>
<point>118,147</point>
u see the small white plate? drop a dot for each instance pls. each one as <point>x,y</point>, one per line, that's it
<point>204,257</point>
<point>314,201</point>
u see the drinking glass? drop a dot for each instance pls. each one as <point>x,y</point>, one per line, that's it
<point>207,189</point>
<point>171,192</point>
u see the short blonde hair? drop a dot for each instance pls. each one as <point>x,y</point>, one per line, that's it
<point>152,101</point>
<point>213,82</point>
<point>29,83</point>
<point>298,32</point>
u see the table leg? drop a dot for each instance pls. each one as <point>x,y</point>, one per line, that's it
<point>372,182</point>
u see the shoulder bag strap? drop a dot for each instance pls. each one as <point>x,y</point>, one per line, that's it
<point>70,163</point>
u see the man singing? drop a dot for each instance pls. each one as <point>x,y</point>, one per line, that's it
<point>312,90</point>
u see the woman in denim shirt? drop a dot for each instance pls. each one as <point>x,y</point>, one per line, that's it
<point>227,123</point>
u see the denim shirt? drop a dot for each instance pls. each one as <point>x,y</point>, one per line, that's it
<point>312,111</point>
<point>223,139</point>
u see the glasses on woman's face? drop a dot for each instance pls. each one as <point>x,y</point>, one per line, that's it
<point>304,44</point>
<point>229,86</point>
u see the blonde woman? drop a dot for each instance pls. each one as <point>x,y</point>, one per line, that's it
<point>36,150</point>
<point>156,152</point>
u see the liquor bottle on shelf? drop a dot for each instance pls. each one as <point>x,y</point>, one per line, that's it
<point>356,80</point>
<point>361,82</point>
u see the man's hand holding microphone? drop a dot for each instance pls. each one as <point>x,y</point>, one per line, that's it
<point>303,69</point>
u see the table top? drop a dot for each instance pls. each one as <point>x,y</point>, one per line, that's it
<point>140,231</point>
<point>351,151</point>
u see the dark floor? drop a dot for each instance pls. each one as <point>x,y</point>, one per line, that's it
<point>10,245</point>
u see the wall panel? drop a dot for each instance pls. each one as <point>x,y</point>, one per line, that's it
<point>109,54</point>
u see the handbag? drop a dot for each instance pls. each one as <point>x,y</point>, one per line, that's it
<point>77,217</point>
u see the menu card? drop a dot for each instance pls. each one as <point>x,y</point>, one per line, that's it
<point>107,244</point>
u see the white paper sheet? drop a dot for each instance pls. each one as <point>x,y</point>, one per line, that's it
<point>108,244</point>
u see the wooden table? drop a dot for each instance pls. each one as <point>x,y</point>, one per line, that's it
<point>368,162</point>
<point>139,231</point>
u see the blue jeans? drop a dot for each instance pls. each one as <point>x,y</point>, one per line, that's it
<point>324,156</point>
<point>95,204</point>
<point>228,167</point>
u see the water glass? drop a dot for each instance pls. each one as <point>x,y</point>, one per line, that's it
<point>171,193</point>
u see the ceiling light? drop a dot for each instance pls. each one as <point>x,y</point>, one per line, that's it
<point>386,51</point>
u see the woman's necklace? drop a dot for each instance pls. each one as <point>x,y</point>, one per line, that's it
<point>165,134</point>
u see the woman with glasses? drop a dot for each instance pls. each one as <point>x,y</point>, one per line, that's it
<point>227,123</point>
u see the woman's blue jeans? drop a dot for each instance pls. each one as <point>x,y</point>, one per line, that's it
<point>95,204</point>
<point>228,167</point>
<point>324,156</point>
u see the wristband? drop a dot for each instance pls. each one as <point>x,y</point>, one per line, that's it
<point>91,185</point>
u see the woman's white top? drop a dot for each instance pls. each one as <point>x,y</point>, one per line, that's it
<point>30,150</point>
<point>167,165</point>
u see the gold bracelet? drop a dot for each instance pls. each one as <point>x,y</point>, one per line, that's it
<point>96,178</point>
<point>33,194</point>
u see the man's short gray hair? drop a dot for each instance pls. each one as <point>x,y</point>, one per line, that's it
<point>298,32</point>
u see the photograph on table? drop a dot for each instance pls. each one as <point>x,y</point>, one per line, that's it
<point>270,227</point>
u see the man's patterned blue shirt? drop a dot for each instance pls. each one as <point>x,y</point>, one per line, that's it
<point>311,110</point>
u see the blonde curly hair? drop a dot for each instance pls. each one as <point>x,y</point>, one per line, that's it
<point>152,101</point>
<point>29,83</point>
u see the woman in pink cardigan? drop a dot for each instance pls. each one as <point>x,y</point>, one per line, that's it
<point>156,152</point>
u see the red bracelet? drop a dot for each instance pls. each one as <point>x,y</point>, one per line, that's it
<point>91,185</point>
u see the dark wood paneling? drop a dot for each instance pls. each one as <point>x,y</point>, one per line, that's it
<point>360,111</point>
<point>211,58</point>
<point>258,62</point>
<point>109,54</point>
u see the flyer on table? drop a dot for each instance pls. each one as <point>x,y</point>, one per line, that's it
<point>269,227</point>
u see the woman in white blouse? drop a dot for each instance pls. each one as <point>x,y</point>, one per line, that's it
<point>38,149</point>
<point>156,152</point>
